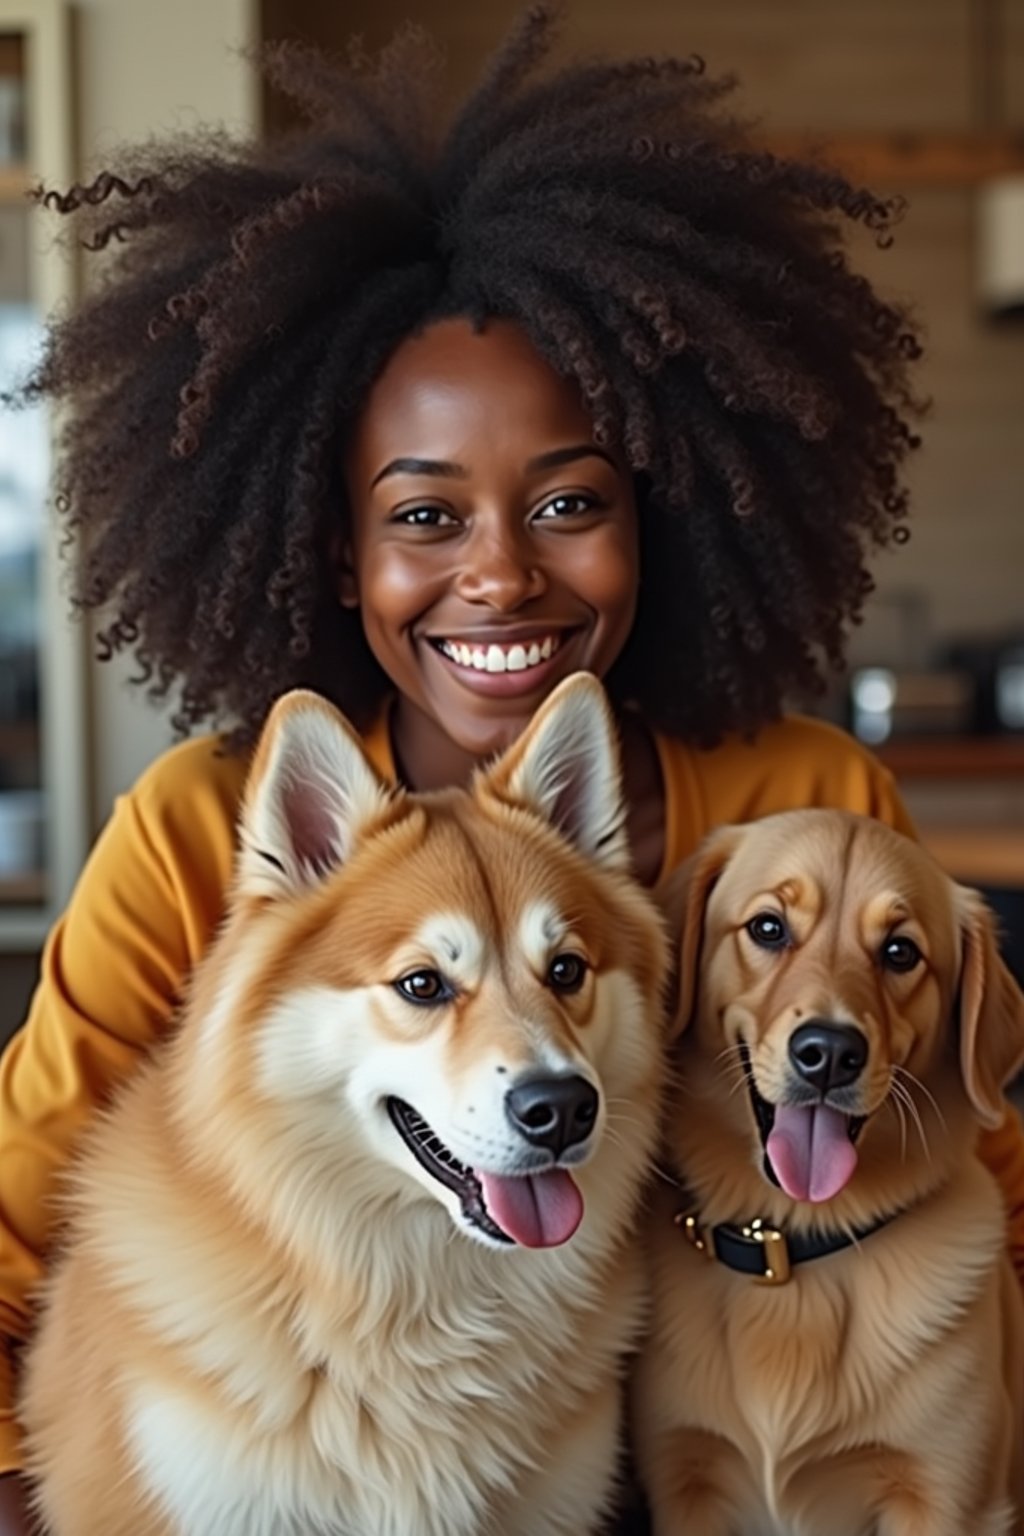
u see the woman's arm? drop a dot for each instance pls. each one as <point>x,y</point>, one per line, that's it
<point>112,970</point>
<point>14,1510</point>
<point>1002,1152</point>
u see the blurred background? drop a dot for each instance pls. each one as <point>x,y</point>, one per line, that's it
<point>919,97</point>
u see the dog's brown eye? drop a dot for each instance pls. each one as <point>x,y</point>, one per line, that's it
<point>900,954</point>
<point>769,931</point>
<point>566,973</point>
<point>424,987</point>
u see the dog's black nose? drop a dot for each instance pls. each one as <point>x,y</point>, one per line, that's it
<point>828,1055</point>
<point>553,1112</point>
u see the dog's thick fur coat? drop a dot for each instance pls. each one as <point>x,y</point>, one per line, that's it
<point>880,1391</point>
<point>271,1317</point>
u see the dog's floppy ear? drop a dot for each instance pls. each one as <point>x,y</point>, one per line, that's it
<point>991,1012</point>
<point>566,767</point>
<point>310,790</point>
<point>683,897</point>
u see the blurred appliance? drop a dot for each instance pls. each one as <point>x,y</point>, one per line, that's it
<point>885,703</point>
<point>1000,268</point>
<point>997,667</point>
<point>1009,689</point>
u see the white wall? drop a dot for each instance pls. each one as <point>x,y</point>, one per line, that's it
<point>146,67</point>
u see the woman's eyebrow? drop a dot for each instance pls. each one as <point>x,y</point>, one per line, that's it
<point>439,467</point>
<point>446,469</point>
<point>559,456</point>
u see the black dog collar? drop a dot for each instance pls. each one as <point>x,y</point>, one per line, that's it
<point>765,1252</point>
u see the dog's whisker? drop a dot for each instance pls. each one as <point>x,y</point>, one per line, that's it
<point>917,1083</point>
<point>730,1050</point>
<point>733,1068</point>
<point>848,1231</point>
<point>614,1137</point>
<point>899,1098</point>
<point>621,1119</point>
<point>907,1098</point>
<point>911,1102</point>
<point>897,1108</point>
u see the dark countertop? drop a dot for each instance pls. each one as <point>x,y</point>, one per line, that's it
<point>955,757</point>
<point>984,851</point>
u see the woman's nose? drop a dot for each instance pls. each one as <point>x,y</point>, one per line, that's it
<point>500,570</point>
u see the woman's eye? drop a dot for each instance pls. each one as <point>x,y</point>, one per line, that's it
<point>424,517</point>
<point>769,931</point>
<point>424,987</point>
<point>567,506</point>
<point>567,973</point>
<point>900,954</point>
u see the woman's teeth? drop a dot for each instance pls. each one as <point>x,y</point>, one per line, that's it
<point>500,658</point>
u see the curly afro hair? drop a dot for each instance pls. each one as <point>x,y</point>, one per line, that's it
<point>693,286</point>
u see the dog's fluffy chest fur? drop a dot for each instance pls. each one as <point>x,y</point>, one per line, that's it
<point>870,1341</point>
<point>352,1402</point>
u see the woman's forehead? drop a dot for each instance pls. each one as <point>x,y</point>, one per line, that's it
<point>451,390</point>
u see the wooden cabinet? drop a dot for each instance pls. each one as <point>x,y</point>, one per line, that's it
<point>43,761</point>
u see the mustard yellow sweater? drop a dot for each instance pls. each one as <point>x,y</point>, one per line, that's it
<point>153,893</point>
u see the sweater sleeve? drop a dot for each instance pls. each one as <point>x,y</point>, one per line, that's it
<point>112,969</point>
<point>794,764</point>
<point>1002,1152</point>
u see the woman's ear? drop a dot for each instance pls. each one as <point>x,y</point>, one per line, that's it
<point>339,553</point>
<point>991,1012</point>
<point>683,897</point>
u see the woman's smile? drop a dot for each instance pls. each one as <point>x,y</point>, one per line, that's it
<point>509,664</point>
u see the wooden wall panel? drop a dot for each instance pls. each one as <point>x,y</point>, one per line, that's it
<point>1013,62</point>
<point>802,63</point>
<point>966,555</point>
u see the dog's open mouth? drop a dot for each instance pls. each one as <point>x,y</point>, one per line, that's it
<point>810,1150</point>
<point>537,1210</point>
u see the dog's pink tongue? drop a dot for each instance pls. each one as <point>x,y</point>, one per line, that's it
<point>810,1151</point>
<point>540,1211</point>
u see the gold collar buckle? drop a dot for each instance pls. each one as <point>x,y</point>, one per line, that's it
<point>777,1268</point>
<point>703,1239</point>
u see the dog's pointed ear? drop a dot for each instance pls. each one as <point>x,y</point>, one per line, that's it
<point>683,897</point>
<point>566,767</point>
<point>991,1012</point>
<point>310,791</point>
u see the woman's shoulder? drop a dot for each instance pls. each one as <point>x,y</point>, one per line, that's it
<point>179,821</point>
<point>792,737</point>
<point>793,742</point>
<point>791,763</point>
<point>193,778</point>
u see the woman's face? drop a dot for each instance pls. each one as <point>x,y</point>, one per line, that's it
<point>493,545</point>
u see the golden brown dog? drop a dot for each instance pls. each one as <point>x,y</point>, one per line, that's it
<point>838,1337</point>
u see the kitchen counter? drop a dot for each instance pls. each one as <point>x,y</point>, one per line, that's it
<point>966,794</point>
<point>991,856</point>
<point>955,757</point>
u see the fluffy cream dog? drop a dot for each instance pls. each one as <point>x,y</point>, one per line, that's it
<point>355,1254</point>
<point>838,1343</point>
